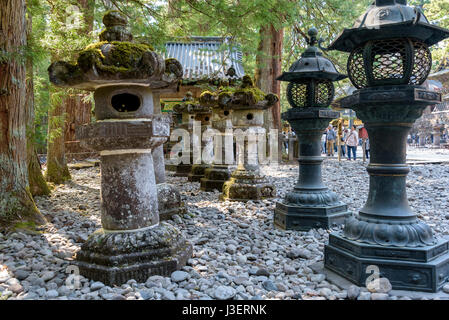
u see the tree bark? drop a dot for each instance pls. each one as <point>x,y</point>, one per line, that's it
<point>269,62</point>
<point>38,185</point>
<point>16,202</point>
<point>78,112</point>
<point>57,170</point>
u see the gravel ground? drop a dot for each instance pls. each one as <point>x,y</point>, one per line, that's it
<point>238,254</point>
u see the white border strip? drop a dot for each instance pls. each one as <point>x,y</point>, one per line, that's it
<point>124,151</point>
<point>132,230</point>
<point>127,120</point>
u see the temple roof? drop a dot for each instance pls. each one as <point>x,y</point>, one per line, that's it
<point>206,58</point>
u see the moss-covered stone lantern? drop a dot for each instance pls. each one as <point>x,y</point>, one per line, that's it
<point>132,244</point>
<point>223,161</point>
<point>246,181</point>
<point>389,62</point>
<point>310,92</point>
<point>190,111</point>
<point>169,198</point>
<point>202,115</point>
<point>176,121</point>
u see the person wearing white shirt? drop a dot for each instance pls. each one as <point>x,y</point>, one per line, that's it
<point>352,141</point>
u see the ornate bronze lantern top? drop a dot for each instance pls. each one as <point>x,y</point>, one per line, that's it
<point>389,45</point>
<point>389,19</point>
<point>312,64</point>
<point>311,77</point>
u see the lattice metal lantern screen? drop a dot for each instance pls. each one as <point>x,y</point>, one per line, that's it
<point>310,93</point>
<point>389,62</point>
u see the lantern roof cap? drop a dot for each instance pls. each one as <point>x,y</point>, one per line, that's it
<point>312,64</point>
<point>191,106</point>
<point>116,60</point>
<point>246,96</point>
<point>388,19</point>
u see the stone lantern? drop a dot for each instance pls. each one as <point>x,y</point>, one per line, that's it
<point>183,168</point>
<point>389,61</point>
<point>132,243</point>
<point>223,161</point>
<point>246,181</point>
<point>203,116</point>
<point>438,129</point>
<point>310,92</point>
<point>176,120</point>
<point>169,198</point>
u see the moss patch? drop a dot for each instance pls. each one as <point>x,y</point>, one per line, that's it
<point>38,186</point>
<point>17,209</point>
<point>122,57</point>
<point>57,174</point>
<point>254,92</point>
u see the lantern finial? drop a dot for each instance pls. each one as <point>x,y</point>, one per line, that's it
<point>313,32</point>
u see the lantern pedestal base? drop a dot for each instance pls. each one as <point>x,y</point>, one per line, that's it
<point>418,269</point>
<point>215,177</point>
<point>115,258</point>
<point>303,218</point>
<point>169,201</point>
<point>235,191</point>
<point>198,172</point>
<point>182,170</point>
<point>170,167</point>
<point>245,185</point>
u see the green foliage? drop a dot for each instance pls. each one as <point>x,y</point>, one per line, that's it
<point>61,33</point>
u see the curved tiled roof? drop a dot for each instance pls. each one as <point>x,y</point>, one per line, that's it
<point>206,57</point>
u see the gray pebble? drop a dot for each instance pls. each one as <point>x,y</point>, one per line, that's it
<point>97,285</point>
<point>353,292</point>
<point>224,293</point>
<point>179,276</point>
<point>269,285</point>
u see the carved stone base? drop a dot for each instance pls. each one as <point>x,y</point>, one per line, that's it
<point>244,186</point>
<point>182,170</point>
<point>198,172</point>
<point>169,201</point>
<point>418,269</point>
<point>303,218</point>
<point>170,167</point>
<point>215,177</point>
<point>115,258</point>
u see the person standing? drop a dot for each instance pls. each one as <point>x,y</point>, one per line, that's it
<point>323,142</point>
<point>367,148</point>
<point>352,140</point>
<point>285,141</point>
<point>330,139</point>
<point>343,142</point>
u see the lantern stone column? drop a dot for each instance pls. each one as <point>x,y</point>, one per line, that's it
<point>185,166</point>
<point>386,234</point>
<point>422,139</point>
<point>310,204</point>
<point>169,198</point>
<point>247,182</point>
<point>132,243</point>
<point>176,120</point>
<point>203,118</point>
<point>437,135</point>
